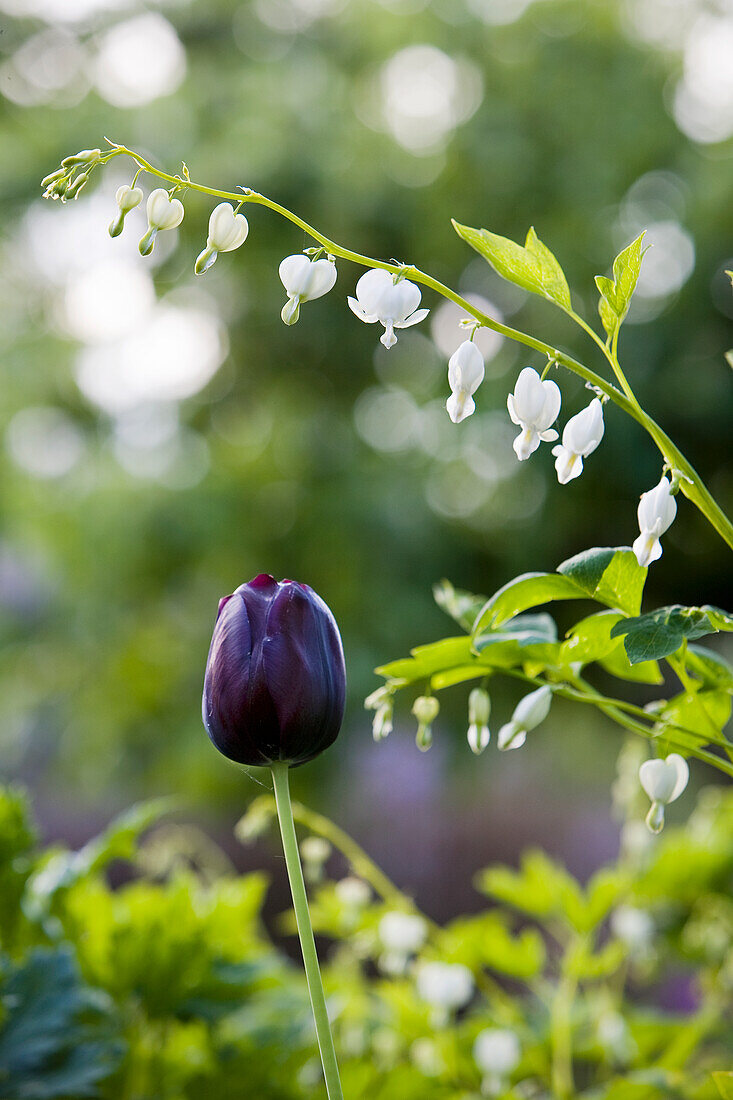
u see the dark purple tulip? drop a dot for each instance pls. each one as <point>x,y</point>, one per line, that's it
<point>275,679</point>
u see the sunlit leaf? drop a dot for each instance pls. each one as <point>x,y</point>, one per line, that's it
<point>533,267</point>
<point>660,633</point>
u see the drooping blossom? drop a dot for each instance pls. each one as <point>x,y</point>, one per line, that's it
<point>664,781</point>
<point>465,375</point>
<point>534,407</point>
<point>392,303</point>
<point>581,435</point>
<point>304,280</point>
<point>656,512</point>
<point>127,198</point>
<point>163,213</point>
<point>227,231</point>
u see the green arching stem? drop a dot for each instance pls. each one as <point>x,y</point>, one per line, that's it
<point>693,488</point>
<point>305,931</point>
<point>621,712</point>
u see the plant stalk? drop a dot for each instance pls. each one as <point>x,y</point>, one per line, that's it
<point>305,931</point>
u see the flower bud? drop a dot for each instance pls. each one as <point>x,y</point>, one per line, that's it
<point>496,1051</point>
<point>314,851</point>
<point>85,156</point>
<point>426,709</point>
<point>73,190</point>
<point>275,679</point>
<point>227,231</point>
<point>528,713</point>
<point>381,702</point>
<point>404,933</point>
<point>127,198</point>
<point>479,709</point>
<point>353,893</point>
<point>664,781</point>
<point>163,213</point>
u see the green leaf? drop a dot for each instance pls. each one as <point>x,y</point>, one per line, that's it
<point>616,294</point>
<point>428,659</point>
<point>607,574</point>
<point>611,575</point>
<point>617,663</point>
<point>660,633</point>
<point>554,283</point>
<point>710,668</point>
<point>533,267</point>
<point>724,1081</point>
<point>699,712</point>
<point>486,941</point>
<point>462,606</point>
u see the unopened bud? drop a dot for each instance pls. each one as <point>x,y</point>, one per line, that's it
<point>85,156</point>
<point>479,709</point>
<point>426,709</point>
<point>74,188</point>
<point>52,177</point>
<point>127,198</point>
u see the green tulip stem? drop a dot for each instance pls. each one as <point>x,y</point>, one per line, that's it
<point>305,930</point>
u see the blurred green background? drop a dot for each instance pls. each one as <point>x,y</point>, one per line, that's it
<point>166,437</point>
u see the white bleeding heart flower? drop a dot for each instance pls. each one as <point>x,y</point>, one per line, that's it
<point>127,198</point>
<point>426,709</point>
<point>581,435</point>
<point>664,781</point>
<point>163,213</point>
<point>227,231</point>
<point>304,280</point>
<point>392,304</point>
<point>528,714</point>
<point>534,407</point>
<point>465,375</point>
<point>656,512</point>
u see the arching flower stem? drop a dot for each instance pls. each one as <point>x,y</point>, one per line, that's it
<point>692,485</point>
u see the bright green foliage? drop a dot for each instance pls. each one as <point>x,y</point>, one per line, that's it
<point>616,293</point>
<point>504,634</point>
<point>171,989</point>
<point>533,267</point>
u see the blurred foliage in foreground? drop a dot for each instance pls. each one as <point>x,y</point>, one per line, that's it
<point>167,437</point>
<point>170,987</point>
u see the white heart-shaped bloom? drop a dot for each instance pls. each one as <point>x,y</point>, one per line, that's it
<point>664,780</point>
<point>445,985</point>
<point>394,305</point>
<point>534,407</point>
<point>632,926</point>
<point>353,892</point>
<point>127,198</point>
<point>581,435</point>
<point>227,230</point>
<point>403,932</point>
<point>465,375</point>
<point>497,1051</point>
<point>479,710</point>
<point>163,211</point>
<point>656,513</point>
<point>307,279</point>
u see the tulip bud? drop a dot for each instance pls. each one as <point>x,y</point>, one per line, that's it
<point>275,679</point>
<point>426,709</point>
<point>479,709</point>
